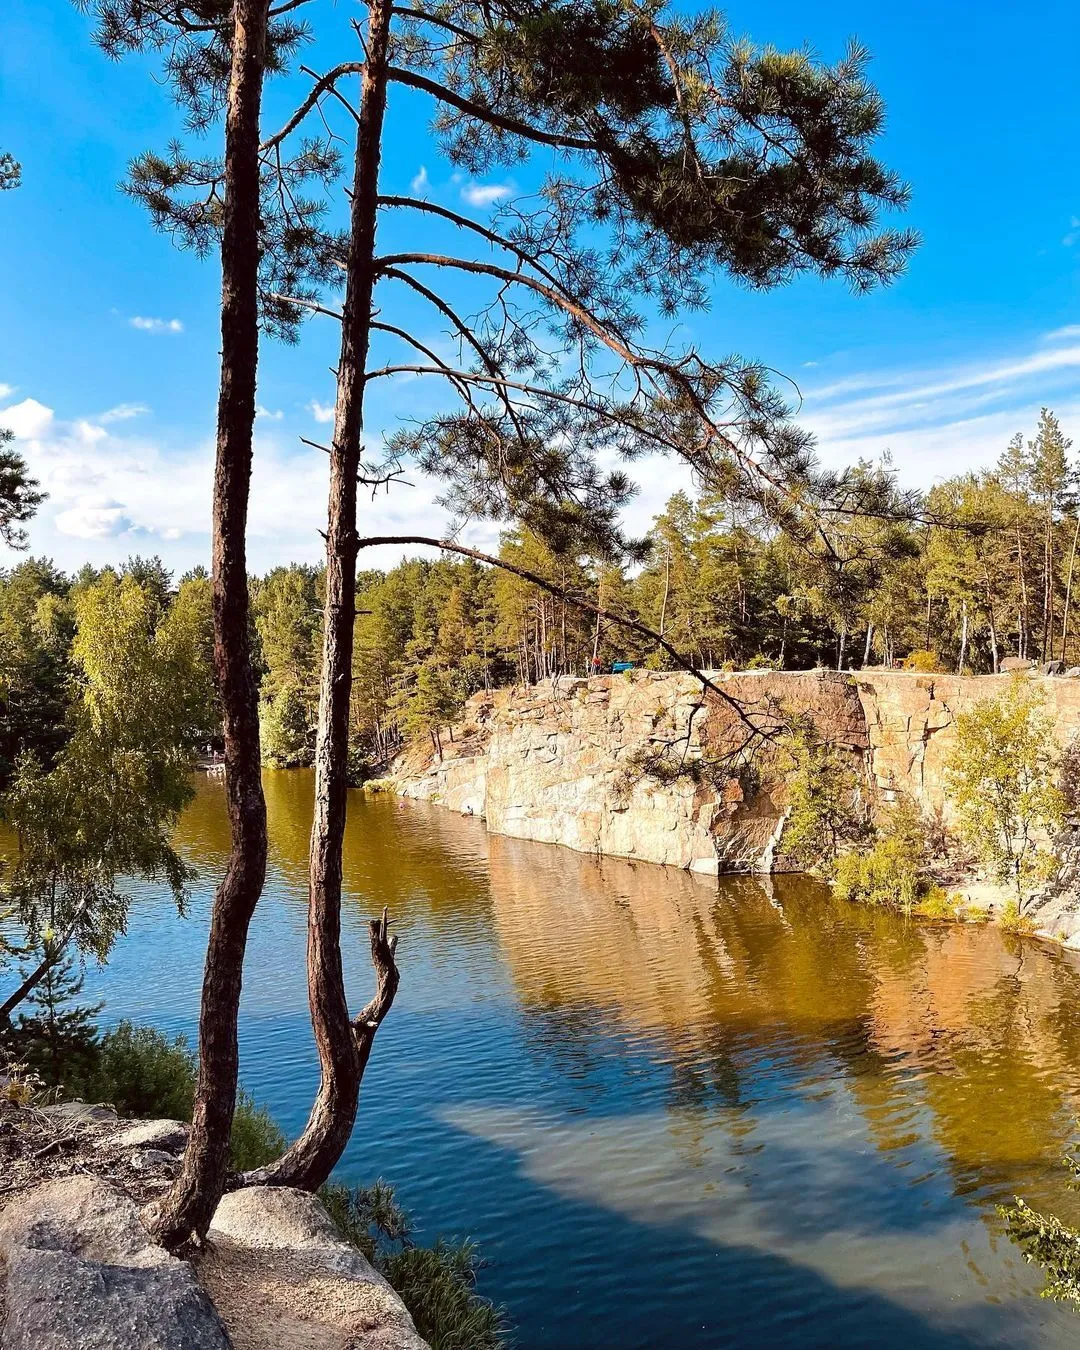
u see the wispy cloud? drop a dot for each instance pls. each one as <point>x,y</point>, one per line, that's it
<point>949,420</point>
<point>149,325</point>
<point>420,182</point>
<point>6,390</point>
<point>1073,233</point>
<point>123,412</point>
<point>267,415</point>
<point>322,412</point>
<point>485,194</point>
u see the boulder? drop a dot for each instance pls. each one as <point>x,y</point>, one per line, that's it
<point>1011,663</point>
<point>281,1275</point>
<point>80,1271</point>
<point>82,1113</point>
<point>1052,668</point>
<point>171,1136</point>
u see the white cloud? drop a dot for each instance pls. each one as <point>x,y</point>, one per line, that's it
<point>322,412</point>
<point>1074,232</point>
<point>947,421</point>
<point>90,520</point>
<point>6,390</point>
<point>268,415</point>
<point>485,194</point>
<point>123,412</point>
<point>27,419</point>
<point>147,325</point>
<point>420,182</point>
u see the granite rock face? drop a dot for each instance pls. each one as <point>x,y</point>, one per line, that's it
<point>619,765</point>
<point>282,1275</point>
<point>80,1271</point>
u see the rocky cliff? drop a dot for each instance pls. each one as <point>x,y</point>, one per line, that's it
<point>622,764</point>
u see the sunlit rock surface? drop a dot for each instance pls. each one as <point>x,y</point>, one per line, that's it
<point>622,765</point>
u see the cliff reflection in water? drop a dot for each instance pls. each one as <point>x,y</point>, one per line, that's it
<point>777,1106</point>
<point>978,1028</point>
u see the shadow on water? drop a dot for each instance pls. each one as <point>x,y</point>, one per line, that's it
<point>672,1111</point>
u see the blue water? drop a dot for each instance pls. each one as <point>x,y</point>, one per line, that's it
<point>672,1112</point>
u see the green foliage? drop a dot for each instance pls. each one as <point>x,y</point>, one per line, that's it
<point>1010,920</point>
<point>287,608</point>
<point>105,808</point>
<point>823,799</point>
<point>1049,1243</point>
<point>19,495</point>
<point>55,1036</point>
<point>891,873</point>
<point>256,1138</point>
<point>437,1284</point>
<point>924,660</point>
<point>142,1072</point>
<point>36,628</point>
<point>1001,777</point>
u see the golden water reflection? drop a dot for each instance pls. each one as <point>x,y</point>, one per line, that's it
<point>952,1033</point>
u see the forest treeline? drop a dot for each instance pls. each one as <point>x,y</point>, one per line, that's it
<point>980,568</point>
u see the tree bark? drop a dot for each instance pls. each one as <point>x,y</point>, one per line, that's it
<point>963,638</point>
<point>189,1206</point>
<point>340,1043</point>
<point>1068,590</point>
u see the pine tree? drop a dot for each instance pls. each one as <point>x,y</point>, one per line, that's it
<point>57,1036</point>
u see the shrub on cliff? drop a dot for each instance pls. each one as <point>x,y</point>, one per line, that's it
<point>824,808</point>
<point>437,1284</point>
<point>1001,777</point>
<point>892,872</point>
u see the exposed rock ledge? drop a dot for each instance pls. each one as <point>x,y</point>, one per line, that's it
<point>561,761</point>
<point>78,1271</point>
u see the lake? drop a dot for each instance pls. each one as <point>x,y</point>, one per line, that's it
<point>672,1111</point>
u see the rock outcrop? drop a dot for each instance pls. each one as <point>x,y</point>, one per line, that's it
<point>620,765</point>
<point>281,1275</point>
<point>79,1272</point>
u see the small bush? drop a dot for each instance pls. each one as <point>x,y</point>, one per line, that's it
<point>891,873</point>
<point>939,904</point>
<point>824,812</point>
<point>256,1138</point>
<point>141,1072</point>
<point>925,660</point>
<point>437,1284</point>
<point>1010,920</point>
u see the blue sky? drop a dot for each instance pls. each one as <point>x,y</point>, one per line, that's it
<point>108,335</point>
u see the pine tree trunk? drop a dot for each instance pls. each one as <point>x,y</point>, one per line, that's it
<point>963,638</point>
<point>310,1160</point>
<point>1068,590</point>
<point>1022,635</point>
<point>189,1206</point>
<point>990,617</point>
<point>866,648</point>
<point>667,592</point>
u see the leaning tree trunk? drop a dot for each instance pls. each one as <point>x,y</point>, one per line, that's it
<point>189,1206</point>
<point>342,1044</point>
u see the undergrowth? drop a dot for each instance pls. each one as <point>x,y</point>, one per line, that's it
<point>437,1284</point>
